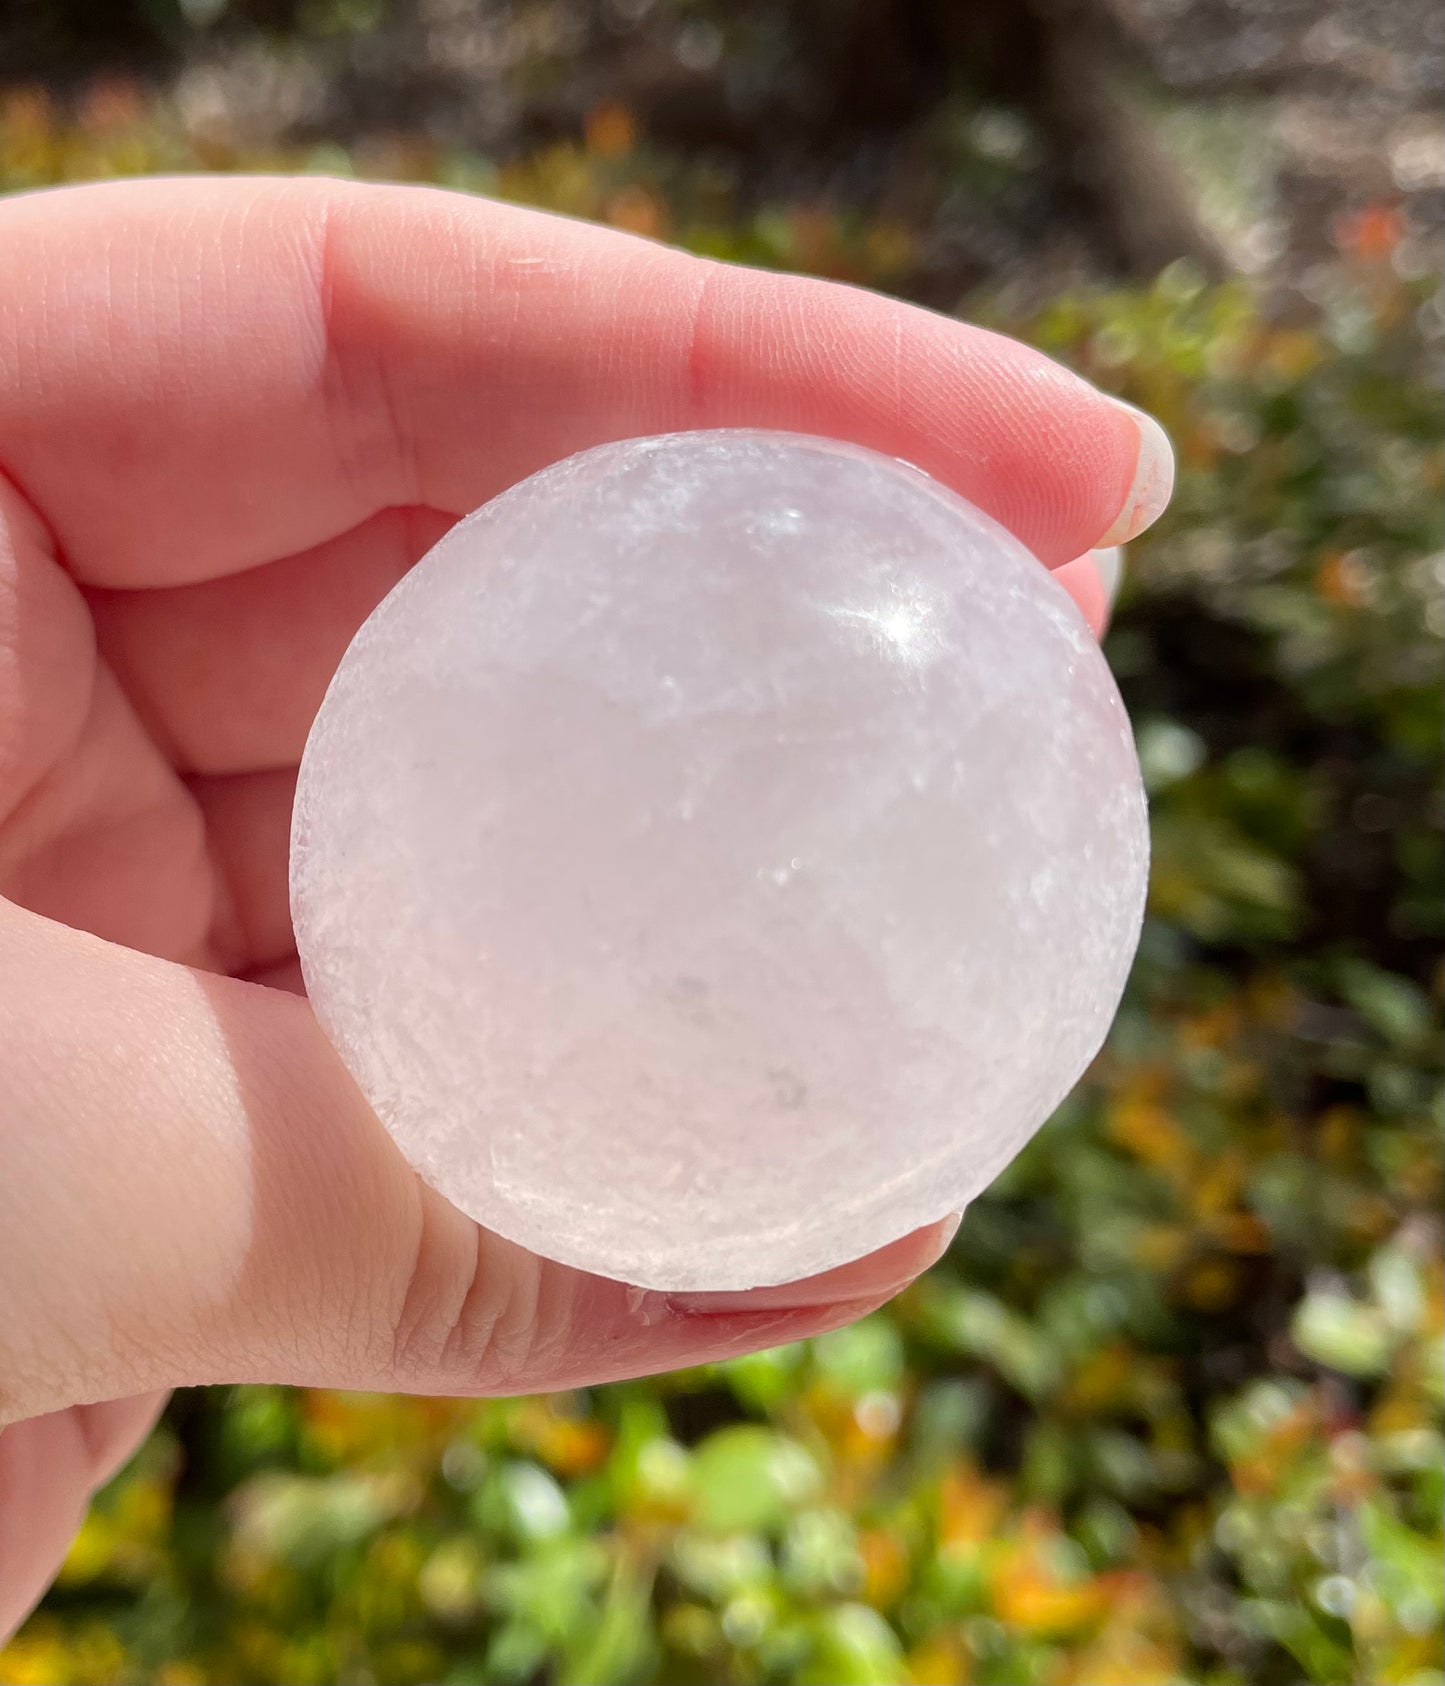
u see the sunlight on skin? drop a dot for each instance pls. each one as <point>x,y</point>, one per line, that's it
<point>234,412</point>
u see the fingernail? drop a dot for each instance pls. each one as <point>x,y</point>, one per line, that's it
<point>1110,565</point>
<point>871,1279</point>
<point>1152,483</point>
<point>947,1229</point>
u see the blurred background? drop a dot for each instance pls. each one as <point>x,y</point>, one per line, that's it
<point>1171,1410</point>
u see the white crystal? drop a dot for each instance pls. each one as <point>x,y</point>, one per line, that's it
<point>718,857</point>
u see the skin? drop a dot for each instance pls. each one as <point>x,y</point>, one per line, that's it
<point>232,414</point>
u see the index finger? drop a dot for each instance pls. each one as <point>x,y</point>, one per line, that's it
<point>202,374</point>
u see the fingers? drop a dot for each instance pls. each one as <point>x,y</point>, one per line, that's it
<point>1110,565</point>
<point>49,1467</point>
<point>228,673</point>
<point>191,1190</point>
<point>46,654</point>
<point>1084,582</point>
<point>108,838</point>
<point>45,1485</point>
<point>1093,583</point>
<point>96,828</point>
<point>248,823</point>
<point>222,372</point>
<point>221,656</point>
<point>113,1429</point>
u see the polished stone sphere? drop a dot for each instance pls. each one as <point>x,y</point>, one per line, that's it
<point>718,857</point>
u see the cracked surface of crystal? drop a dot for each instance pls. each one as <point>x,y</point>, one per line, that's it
<point>718,856</point>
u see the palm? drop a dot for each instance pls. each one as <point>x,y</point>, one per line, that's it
<point>156,813</point>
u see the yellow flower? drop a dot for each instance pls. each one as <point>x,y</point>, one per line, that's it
<point>939,1660</point>
<point>969,1507</point>
<point>885,1567</point>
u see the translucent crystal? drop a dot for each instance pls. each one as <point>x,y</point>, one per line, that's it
<point>718,857</point>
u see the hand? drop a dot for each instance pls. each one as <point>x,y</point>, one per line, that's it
<point>232,414</point>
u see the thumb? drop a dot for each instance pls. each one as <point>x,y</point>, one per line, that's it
<point>192,1190</point>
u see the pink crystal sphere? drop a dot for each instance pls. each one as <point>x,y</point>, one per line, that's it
<point>718,857</point>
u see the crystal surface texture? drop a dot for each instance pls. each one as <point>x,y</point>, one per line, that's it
<point>718,857</point>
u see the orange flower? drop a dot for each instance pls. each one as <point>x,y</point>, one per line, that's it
<point>111,103</point>
<point>568,1443</point>
<point>638,211</point>
<point>574,1446</point>
<point>1103,1379</point>
<point>968,1506</point>
<point>940,1660</point>
<point>1290,353</point>
<point>26,114</point>
<point>1240,1232</point>
<point>1023,1597</point>
<point>1371,234</point>
<point>1151,1134</point>
<point>610,131</point>
<point>1342,578</point>
<point>885,1566</point>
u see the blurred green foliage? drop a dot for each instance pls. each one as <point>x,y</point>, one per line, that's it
<point>1172,1408</point>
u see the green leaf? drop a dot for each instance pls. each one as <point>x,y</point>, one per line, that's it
<point>980,1324</point>
<point>306,1521</point>
<point>1342,1333</point>
<point>522,1502</point>
<point>853,1646</point>
<point>865,1357</point>
<point>1404,1568</point>
<point>1397,1008</point>
<point>751,1478</point>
